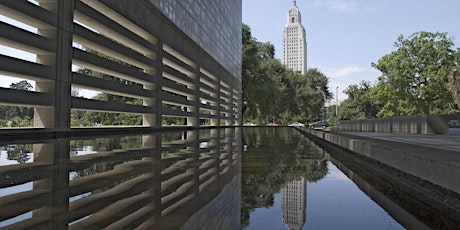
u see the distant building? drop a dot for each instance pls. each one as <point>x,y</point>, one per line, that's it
<point>294,41</point>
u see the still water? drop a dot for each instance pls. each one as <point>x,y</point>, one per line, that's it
<point>289,183</point>
<point>228,178</point>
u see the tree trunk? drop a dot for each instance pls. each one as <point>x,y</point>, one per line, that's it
<point>426,109</point>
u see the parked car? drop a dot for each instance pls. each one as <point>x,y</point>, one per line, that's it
<point>454,124</point>
<point>297,124</point>
<point>319,124</point>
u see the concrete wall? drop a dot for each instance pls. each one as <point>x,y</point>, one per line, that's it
<point>431,124</point>
<point>436,166</point>
<point>169,72</point>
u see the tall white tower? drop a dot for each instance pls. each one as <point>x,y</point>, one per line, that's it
<point>294,41</point>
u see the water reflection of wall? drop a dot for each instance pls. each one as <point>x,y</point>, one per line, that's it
<point>224,206</point>
<point>294,202</point>
<point>137,181</point>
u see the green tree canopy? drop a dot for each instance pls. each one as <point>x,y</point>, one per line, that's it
<point>272,92</point>
<point>360,103</point>
<point>17,116</point>
<point>259,90</point>
<point>454,84</point>
<point>414,77</point>
<point>21,85</point>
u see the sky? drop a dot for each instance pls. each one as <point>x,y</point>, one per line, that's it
<point>345,36</point>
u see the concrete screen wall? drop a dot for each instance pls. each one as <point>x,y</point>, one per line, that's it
<point>146,56</point>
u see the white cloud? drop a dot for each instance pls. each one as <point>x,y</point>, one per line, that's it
<point>346,6</point>
<point>343,72</point>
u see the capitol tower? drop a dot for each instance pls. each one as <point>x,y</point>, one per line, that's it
<point>294,42</point>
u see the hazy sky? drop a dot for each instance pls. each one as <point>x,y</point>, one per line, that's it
<point>345,36</point>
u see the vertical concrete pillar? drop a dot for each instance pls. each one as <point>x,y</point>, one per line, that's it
<point>150,120</point>
<point>233,114</point>
<point>228,121</point>
<point>194,118</point>
<point>58,116</point>
<point>239,121</point>
<point>216,121</point>
<point>157,118</point>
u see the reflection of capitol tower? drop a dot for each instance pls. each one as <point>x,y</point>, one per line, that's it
<point>294,203</point>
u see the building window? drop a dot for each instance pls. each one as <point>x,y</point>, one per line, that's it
<point>292,19</point>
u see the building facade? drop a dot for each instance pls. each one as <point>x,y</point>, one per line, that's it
<point>214,25</point>
<point>294,41</point>
<point>176,59</point>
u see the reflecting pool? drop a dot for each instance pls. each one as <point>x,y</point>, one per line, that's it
<point>293,185</point>
<point>227,178</point>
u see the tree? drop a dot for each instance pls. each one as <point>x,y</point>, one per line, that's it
<point>260,92</point>
<point>306,96</point>
<point>21,85</point>
<point>454,84</point>
<point>17,116</point>
<point>90,118</point>
<point>414,77</point>
<point>272,92</point>
<point>360,103</point>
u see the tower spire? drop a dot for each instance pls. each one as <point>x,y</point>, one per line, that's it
<point>294,41</point>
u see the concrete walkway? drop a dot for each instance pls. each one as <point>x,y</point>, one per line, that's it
<point>449,142</point>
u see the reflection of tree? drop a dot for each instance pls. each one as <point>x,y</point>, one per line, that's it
<point>101,145</point>
<point>108,144</point>
<point>273,157</point>
<point>19,153</point>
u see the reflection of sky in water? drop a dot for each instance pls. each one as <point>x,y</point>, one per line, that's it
<point>14,190</point>
<point>24,216</point>
<point>335,174</point>
<point>74,198</point>
<point>336,202</point>
<point>5,161</point>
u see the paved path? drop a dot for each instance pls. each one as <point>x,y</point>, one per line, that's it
<point>447,142</point>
